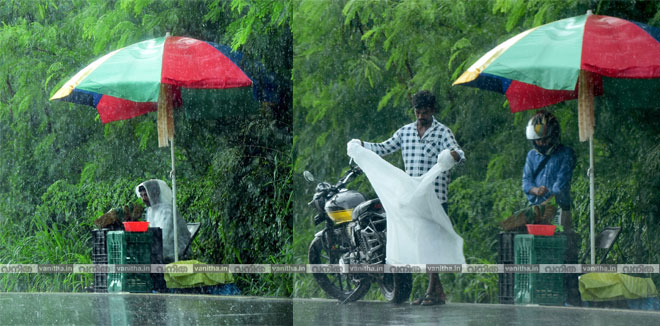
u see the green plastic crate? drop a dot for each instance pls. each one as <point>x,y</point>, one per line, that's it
<point>539,288</point>
<point>129,248</point>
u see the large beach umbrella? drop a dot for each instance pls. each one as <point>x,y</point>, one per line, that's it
<point>151,75</point>
<point>574,58</point>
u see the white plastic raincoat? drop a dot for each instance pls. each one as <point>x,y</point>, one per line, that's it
<point>159,215</point>
<point>418,229</point>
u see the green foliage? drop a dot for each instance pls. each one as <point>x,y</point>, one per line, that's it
<point>259,15</point>
<point>61,168</point>
<point>356,64</point>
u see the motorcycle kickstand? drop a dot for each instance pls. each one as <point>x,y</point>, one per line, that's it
<point>348,297</point>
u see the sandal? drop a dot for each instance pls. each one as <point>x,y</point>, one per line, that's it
<point>433,300</point>
<point>418,301</point>
<point>430,300</point>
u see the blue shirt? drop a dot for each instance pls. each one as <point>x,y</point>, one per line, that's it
<point>556,176</point>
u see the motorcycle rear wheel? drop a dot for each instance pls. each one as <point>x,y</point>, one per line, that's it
<point>342,286</point>
<point>396,287</point>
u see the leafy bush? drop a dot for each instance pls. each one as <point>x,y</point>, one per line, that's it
<point>358,64</point>
<point>61,168</point>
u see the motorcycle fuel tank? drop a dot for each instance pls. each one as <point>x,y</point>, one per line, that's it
<point>340,206</point>
<point>365,209</point>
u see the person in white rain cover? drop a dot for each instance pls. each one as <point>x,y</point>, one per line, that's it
<point>157,196</point>
<point>420,143</point>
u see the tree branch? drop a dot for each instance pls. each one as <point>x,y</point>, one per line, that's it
<point>11,94</point>
<point>409,68</point>
<point>11,89</point>
<point>44,51</point>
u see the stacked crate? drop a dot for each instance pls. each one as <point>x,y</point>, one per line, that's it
<point>505,256</point>
<point>100,257</point>
<point>129,248</point>
<point>157,258</point>
<point>539,288</point>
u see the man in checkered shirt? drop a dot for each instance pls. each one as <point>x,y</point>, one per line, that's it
<point>420,143</point>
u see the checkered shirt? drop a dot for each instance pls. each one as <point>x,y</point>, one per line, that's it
<point>420,154</point>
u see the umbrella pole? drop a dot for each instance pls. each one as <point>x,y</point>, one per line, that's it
<point>174,226</point>
<point>165,133</point>
<point>586,123</point>
<point>591,200</point>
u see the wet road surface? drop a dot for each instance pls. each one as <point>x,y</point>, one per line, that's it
<point>168,309</point>
<point>329,312</point>
<point>141,309</point>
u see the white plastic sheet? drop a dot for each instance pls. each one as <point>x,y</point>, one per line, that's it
<point>418,229</point>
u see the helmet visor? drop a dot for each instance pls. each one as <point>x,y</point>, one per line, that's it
<point>530,132</point>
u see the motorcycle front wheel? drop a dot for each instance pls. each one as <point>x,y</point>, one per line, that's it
<point>396,287</point>
<point>342,286</point>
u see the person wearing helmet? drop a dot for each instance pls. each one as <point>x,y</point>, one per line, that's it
<point>549,165</point>
<point>547,173</point>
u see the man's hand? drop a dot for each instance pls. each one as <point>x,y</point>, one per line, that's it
<point>455,155</point>
<point>356,141</point>
<point>538,191</point>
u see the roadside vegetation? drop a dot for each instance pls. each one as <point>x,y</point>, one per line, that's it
<point>356,65</point>
<point>61,168</point>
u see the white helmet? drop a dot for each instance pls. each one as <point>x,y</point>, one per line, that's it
<point>544,125</point>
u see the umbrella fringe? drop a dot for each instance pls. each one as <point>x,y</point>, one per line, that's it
<point>165,115</point>
<point>586,120</point>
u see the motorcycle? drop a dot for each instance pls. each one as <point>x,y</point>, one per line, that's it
<point>354,233</point>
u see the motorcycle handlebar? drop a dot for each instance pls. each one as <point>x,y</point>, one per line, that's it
<point>350,174</point>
